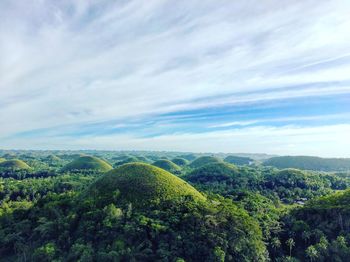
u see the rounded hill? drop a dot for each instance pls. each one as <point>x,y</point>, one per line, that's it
<point>290,173</point>
<point>14,164</point>
<point>53,158</point>
<point>139,184</point>
<point>180,161</point>
<point>189,157</point>
<point>143,159</point>
<point>329,215</point>
<point>9,156</point>
<point>88,163</point>
<point>214,172</point>
<point>204,160</point>
<point>238,160</point>
<point>130,159</point>
<point>168,166</point>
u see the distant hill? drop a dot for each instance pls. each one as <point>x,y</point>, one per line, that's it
<point>14,164</point>
<point>238,160</point>
<point>180,161</point>
<point>310,163</point>
<point>139,184</point>
<point>189,157</point>
<point>88,163</point>
<point>53,158</point>
<point>130,159</point>
<point>168,166</point>
<point>204,160</point>
<point>9,156</point>
<point>214,173</point>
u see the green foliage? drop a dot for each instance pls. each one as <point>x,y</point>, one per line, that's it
<point>180,161</point>
<point>88,163</point>
<point>63,227</point>
<point>310,163</point>
<point>214,173</point>
<point>139,212</point>
<point>238,160</point>
<point>319,227</point>
<point>264,210</point>
<point>46,252</point>
<point>204,160</point>
<point>294,184</point>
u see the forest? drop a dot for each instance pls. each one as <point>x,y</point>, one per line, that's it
<point>170,206</point>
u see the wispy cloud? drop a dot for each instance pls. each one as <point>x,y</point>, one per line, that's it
<point>79,67</point>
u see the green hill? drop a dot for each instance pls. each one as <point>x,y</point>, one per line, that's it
<point>310,163</point>
<point>222,178</point>
<point>168,166</point>
<point>130,159</point>
<point>292,178</point>
<point>88,163</point>
<point>139,184</point>
<point>53,158</point>
<point>9,156</point>
<point>180,161</point>
<point>120,157</point>
<point>189,157</point>
<point>238,160</point>
<point>2,159</point>
<point>213,173</point>
<point>143,159</point>
<point>14,164</point>
<point>322,225</point>
<point>204,160</point>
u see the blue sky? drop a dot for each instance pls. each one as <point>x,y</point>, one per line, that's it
<point>205,76</point>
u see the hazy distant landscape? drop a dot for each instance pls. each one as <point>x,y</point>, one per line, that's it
<point>175,131</point>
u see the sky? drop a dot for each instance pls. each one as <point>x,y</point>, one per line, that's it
<point>246,76</point>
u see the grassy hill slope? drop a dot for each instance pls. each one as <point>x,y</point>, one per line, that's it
<point>14,164</point>
<point>139,184</point>
<point>168,166</point>
<point>88,163</point>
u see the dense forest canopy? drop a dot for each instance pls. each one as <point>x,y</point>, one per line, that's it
<point>72,206</point>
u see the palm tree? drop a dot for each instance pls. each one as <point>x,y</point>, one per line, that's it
<point>275,243</point>
<point>290,243</point>
<point>306,235</point>
<point>311,253</point>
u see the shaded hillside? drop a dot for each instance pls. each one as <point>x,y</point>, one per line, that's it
<point>14,164</point>
<point>180,161</point>
<point>310,163</point>
<point>204,160</point>
<point>238,160</point>
<point>168,166</point>
<point>320,229</point>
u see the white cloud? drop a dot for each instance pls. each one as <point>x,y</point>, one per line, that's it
<point>77,62</point>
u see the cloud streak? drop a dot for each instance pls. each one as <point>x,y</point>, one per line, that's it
<point>72,66</point>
